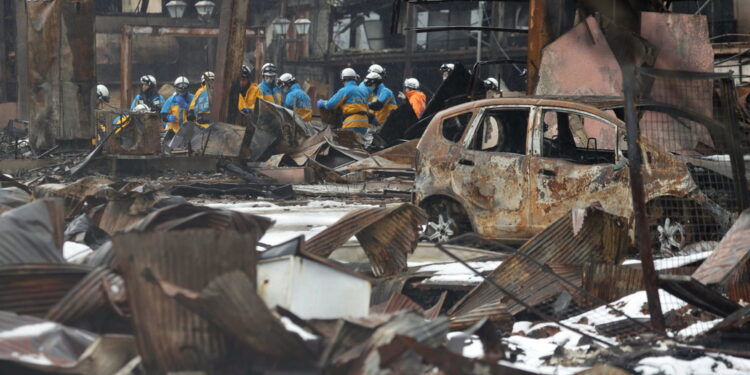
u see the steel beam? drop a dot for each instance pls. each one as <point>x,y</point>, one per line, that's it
<point>126,66</point>
<point>229,54</point>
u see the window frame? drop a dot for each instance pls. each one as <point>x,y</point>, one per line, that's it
<point>539,131</point>
<point>479,117</point>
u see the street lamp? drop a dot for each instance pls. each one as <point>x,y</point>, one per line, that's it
<point>302,26</point>
<point>205,8</point>
<point>176,8</point>
<point>281,26</point>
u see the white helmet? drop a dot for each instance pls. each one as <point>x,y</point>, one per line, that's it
<point>375,68</point>
<point>207,76</point>
<point>447,67</point>
<point>149,80</point>
<point>372,79</point>
<point>348,74</point>
<point>102,93</point>
<point>140,108</point>
<point>286,79</point>
<point>491,84</point>
<point>181,84</point>
<point>269,69</point>
<point>411,83</point>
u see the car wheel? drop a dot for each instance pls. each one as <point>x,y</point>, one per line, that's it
<point>675,223</point>
<point>446,220</point>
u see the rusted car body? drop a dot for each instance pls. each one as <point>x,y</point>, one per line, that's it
<point>507,168</point>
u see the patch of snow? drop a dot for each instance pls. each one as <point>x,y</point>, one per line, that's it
<point>241,206</point>
<point>29,330</point>
<point>75,252</point>
<point>38,359</point>
<point>708,364</point>
<point>457,273</point>
<point>697,328</point>
<point>545,370</point>
<point>326,204</point>
<point>534,350</point>
<point>291,327</point>
<point>673,262</point>
<point>524,327</point>
<point>631,305</point>
<point>473,348</point>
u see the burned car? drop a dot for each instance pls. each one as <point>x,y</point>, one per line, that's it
<point>506,168</point>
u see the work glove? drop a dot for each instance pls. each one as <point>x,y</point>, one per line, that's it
<point>321,103</point>
<point>376,106</point>
<point>401,95</point>
<point>246,110</point>
<point>171,118</point>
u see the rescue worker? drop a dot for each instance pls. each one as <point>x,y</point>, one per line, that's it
<point>446,70</point>
<point>148,95</point>
<point>249,91</point>
<point>268,89</point>
<point>416,98</point>
<point>492,88</point>
<point>102,97</point>
<point>374,68</point>
<point>353,103</point>
<point>200,107</point>
<point>295,98</point>
<point>174,111</point>
<point>382,102</point>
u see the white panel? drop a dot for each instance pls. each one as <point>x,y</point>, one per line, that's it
<point>325,293</point>
<point>274,281</point>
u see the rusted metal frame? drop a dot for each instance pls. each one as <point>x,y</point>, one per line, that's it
<point>732,137</point>
<point>618,129</point>
<point>230,53</point>
<point>539,36</point>
<point>518,300</point>
<point>638,192</point>
<point>126,49</point>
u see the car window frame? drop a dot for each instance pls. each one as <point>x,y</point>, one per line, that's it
<point>479,117</point>
<point>539,133</point>
<point>445,118</point>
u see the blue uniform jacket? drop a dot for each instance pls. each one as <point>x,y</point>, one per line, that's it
<point>155,101</point>
<point>271,94</point>
<point>297,99</point>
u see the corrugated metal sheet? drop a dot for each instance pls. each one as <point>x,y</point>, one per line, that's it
<point>602,239</point>
<point>231,302</point>
<point>189,258</point>
<point>732,253</point>
<point>497,313</point>
<point>88,296</point>
<point>32,289</point>
<point>387,235</point>
<point>32,233</point>
<point>398,302</point>
<point>54,348</point>
<point>611,282</point>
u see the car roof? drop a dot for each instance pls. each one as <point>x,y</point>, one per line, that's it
<point>584,103</point>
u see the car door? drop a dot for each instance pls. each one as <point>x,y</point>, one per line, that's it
<point>576,161</point>
<point>490,174</point>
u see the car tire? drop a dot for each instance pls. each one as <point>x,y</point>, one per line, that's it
<point>675,223</point>
<point>446,219</point>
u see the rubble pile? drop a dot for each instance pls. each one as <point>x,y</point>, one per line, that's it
<point>104,277</point>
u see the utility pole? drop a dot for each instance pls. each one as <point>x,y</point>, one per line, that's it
<point>539,36</point>
<point>410,38</point>
<point>230,53</point>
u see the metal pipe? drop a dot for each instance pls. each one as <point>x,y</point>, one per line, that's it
<point>638,192</point>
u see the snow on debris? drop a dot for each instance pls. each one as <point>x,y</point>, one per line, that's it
<point>708,364</point>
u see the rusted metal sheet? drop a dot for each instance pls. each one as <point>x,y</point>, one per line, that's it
<point>76,194</point>
<point>611,282</point>
<point>50,347</point>
<point>97,290</point>
<point>61,71</point>
<point>231,302</point>
<point>732,254</point>
<point>735,320</point>
<point>497,313</point>
<point>189,246</point>
<point>697,294</point>
<point>141,136</point>
<point>602,238</point>
<point>401,156</point>
<point>276,130</point>
<point>387,235</point>
<point>219,139</point>
<point>579,63</point>
<point>32,289</point>
<point>32,233</point>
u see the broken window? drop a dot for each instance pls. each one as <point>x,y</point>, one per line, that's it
<point>453,127</point>
<point>502,130</point>
<point>578,138</point>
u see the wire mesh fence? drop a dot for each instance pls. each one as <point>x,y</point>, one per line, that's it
<point>692,116</point>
